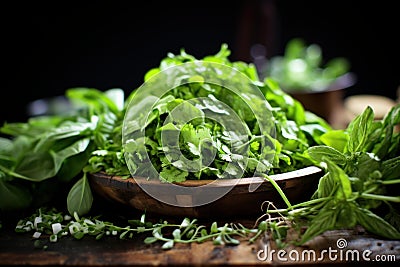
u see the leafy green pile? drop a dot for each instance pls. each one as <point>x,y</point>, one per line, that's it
<point>50,153</point>
<point>204,128</point>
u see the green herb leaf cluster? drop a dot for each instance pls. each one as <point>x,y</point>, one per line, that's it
<point>180,148</point>
<point>46,154</point>
<point>362,180</point>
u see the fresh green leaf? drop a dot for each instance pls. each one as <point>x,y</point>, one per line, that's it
<point>80,197</point>
<point>320,152</point>
<point>359,130</point>
<point>336,139</point>
<point>339,175</point>
<point>324,221</point>
<point>375,224</point>
<point>14,196</point>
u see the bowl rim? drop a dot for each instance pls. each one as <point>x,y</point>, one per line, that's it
<point>245,192</point>
<point>279,178</point>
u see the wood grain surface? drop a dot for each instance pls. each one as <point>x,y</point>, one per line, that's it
<point>18,250</point>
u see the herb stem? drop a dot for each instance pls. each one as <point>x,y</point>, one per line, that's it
<point>281,193</point>
<point>381,197</point>
<point>396,181</point>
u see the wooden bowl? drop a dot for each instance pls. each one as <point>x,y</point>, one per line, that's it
<point>244,197</point>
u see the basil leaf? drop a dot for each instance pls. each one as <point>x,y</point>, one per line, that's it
<point>326,185</point>
<point>324,221</point>
<point>391,168</point>
<point>13,196</point>
<point>341,178</point>
<point>375,224</point>
<point>336,139</point>
<point>320,152</point>
<point>359,128</point>
<point>80,197</point>
<point>36,166</point>
<point>364,165</point>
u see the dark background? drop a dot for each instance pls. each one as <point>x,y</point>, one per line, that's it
<point>47,49</point>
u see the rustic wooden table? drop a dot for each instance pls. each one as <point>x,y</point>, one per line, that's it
<point>18,250</point>
<point>355,247</point>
